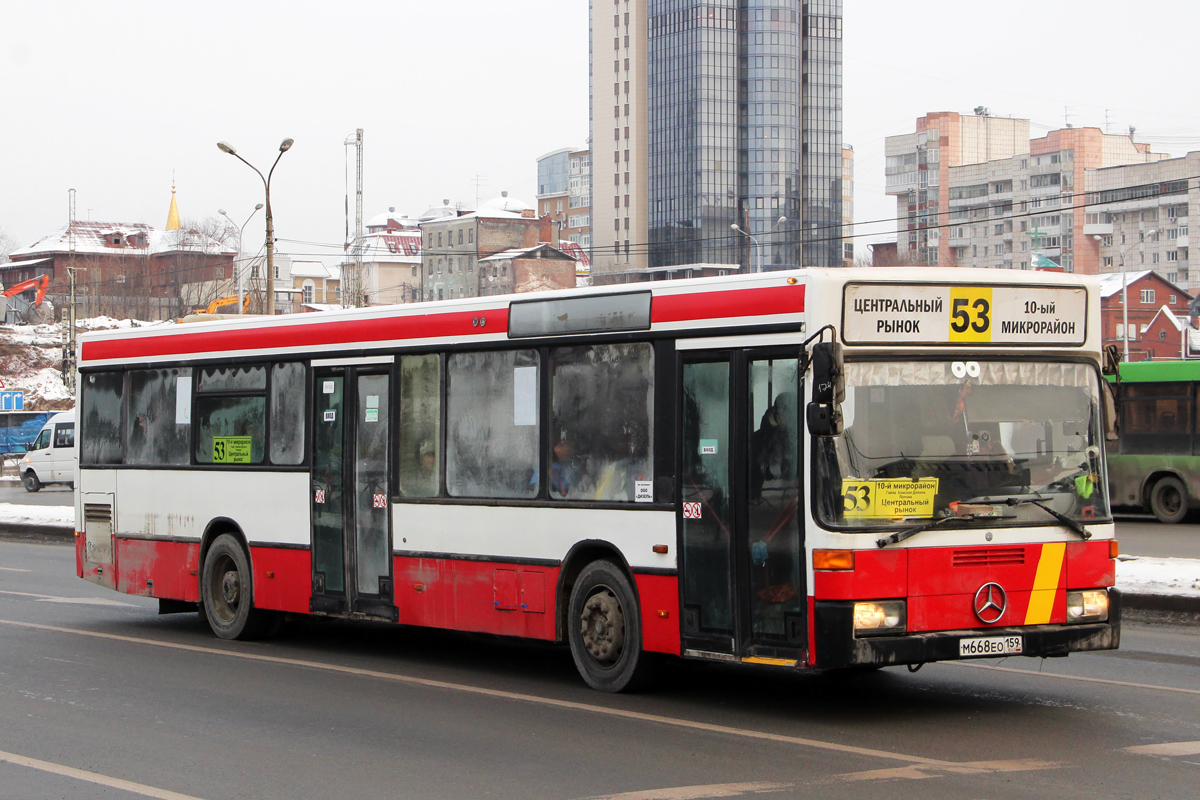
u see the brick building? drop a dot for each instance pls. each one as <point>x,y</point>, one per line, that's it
<point>1153,302</point>
<point>527,269</point>
<point>127,269</point>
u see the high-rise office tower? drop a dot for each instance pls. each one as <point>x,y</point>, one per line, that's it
<point>724,112</point>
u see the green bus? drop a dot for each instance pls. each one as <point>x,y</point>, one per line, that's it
<point>1155,466</point>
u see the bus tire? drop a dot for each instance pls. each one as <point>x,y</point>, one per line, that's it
<point>227,593</point>
<point>1169,500</point>
<point>32,484</point>
<point>604,630</point>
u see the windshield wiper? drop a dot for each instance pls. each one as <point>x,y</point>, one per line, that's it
<point>901,535</point>
<point>1083,532</point>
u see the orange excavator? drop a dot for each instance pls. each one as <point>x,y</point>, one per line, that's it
<point>41,283</point>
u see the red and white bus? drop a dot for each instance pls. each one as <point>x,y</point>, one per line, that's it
<point>818,468</point>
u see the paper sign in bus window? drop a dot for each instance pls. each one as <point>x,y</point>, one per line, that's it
<point>888,499</point>
<point>232,449</point>
<point>372,415</point>
<point>183,400</point>
<point>708,447</point>
<point>327,387</point>
<point>524,396</point>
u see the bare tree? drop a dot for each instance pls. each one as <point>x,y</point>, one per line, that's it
<point>7,245</point>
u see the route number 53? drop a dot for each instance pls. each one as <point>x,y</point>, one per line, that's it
<point>856,499</point>
<point>971,314</point>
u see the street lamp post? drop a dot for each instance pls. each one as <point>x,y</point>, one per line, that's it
<point>239,267</point>
<point>754,241</point>
<point>284,146</point>
<point>1125,288</point>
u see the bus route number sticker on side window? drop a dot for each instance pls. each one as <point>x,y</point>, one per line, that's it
<point>231,449</point>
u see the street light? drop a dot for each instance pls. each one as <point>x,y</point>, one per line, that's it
<point>239,266</point>
<point>284,146</point>
<point>1125,287</point>
<point>754,241</point>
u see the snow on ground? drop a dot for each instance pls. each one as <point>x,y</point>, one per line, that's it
<point>15,514</point>
<point>1163,576</point>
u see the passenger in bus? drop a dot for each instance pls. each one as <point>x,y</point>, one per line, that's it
<point>770,453</point>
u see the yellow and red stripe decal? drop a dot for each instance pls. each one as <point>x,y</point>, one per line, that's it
<point>1045,583</point>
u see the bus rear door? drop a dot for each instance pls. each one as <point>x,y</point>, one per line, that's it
<point>742,569</point>
<point>351,509</point>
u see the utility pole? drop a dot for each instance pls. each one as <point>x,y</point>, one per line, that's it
<point>69,354</point>
<point>361,297</point>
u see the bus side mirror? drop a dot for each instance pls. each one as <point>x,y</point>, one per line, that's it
<point>1108,398</point>
<point>1112,360</point>
<point>824,413</point>
<point>824,419</point>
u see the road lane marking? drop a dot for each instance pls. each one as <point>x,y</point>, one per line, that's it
<point>1166,749</point>
<point>13,569</point>
<point>1080,678</point>
<point>699,792</point>
<point>82,601</point>
<point>676,722</point>
<point>923,771</point>
<point>93,777</point>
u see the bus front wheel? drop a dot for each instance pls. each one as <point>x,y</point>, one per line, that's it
<point>32,484</point>
<point>1169,500</point>
<point>227,593</point>
<point>604,630</point>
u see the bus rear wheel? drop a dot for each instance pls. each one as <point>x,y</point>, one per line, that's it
<point>227,593</point>
<point>1169,500</point>
<point>604,630</point>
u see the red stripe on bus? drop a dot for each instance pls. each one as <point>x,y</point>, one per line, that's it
<point>349,332</point>
<point>734,303</point>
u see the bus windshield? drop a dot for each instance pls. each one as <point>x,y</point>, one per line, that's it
<point>986,441</point>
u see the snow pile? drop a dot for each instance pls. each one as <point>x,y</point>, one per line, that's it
<point>15,514</point>
<point>1163,576</point>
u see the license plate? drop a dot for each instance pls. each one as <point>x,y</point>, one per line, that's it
<point>990,646</point>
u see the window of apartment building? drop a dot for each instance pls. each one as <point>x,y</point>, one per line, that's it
<point>558,207</point>
<point>439,239</point>
<point>1173,299</point>
<point>1154,258</point>
<point>1172,255</point>
<point>460,235</point>
<point>1147,296</point>
<point>440,269</point>
<point>1106,240</point>
<point>414,272</point>
<point>999,229</point>
<point>470,236</point>
<point>1108,262</point>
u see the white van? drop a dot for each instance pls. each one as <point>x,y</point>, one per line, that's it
<point>51,457</point>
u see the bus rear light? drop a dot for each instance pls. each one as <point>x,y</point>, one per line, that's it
<point>1113,549</point>
<point>664,614</point>
<point>1090,606</point>
<point>879,617</point>
<point>833,559</point>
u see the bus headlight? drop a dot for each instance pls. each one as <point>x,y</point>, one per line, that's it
<point>879,617</point>
<point>1090,606</point>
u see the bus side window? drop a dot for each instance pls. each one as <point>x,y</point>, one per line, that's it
<point>287,413</point>
<point>230,415</point>
<point>492,424</point>
<point>419,458</point>
<point>601,432</point>
<point>154,435</point>
<point>100,417</point>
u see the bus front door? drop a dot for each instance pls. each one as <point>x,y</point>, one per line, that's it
<point>742,569</point>
<point>351,510</point>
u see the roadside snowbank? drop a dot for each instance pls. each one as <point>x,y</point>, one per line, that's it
<point>16,514</point>
<point>1178,577</point>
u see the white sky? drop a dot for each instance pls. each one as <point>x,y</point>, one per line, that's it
<point>112,98</point>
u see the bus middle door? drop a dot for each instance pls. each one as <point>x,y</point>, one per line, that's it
<point>351,508</point>
<point>742,567</point>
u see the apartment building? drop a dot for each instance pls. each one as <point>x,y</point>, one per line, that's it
<point>1143,217</point>
<point>565,194</point>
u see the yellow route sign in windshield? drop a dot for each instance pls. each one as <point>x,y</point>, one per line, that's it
<point>888,499</point>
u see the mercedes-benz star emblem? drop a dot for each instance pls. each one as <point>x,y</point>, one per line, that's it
<point>990,603</point>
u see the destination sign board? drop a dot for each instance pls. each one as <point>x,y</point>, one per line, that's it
<point>1007,314</point>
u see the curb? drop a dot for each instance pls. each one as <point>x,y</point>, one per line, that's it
<point>30,532</point>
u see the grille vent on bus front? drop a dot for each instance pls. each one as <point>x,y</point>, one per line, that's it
<point>96,512</point>
<point>989,557</point>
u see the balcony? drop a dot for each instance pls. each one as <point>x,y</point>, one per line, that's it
<point>1098,229</point>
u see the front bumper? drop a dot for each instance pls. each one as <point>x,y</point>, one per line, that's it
<point>837,647</point>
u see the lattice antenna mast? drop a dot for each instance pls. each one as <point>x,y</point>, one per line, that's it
<point>68,367</point>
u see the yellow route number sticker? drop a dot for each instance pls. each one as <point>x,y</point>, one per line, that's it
<point>971,314</point>
<point>888,499</point>
<point>232,449</point>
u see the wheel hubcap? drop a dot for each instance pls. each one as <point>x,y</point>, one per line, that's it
<point>231,588</point>
<point>603,627</point>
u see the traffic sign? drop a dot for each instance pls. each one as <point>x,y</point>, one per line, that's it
<point>12,401</point>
